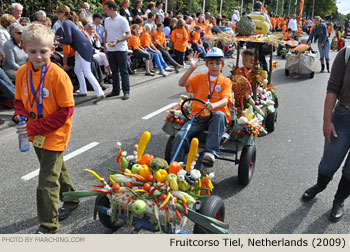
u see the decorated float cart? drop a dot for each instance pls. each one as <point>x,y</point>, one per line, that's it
<point>253,114</point>
<point>148,193</point>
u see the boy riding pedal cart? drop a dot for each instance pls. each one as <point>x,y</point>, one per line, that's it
<point>215,89</point>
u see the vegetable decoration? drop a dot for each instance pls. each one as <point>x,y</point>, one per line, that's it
<point>165,193</point>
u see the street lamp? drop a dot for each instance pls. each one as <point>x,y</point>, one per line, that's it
<point>203,6</point>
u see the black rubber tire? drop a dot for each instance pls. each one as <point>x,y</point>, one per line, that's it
<point>106,220</point>
<point>213,207</point>
<point>246,164</point>
<point>312,75</point>
<point>286,72</point>
<point>271,120</point>
<point>283,56</point>
<point>167,154</point>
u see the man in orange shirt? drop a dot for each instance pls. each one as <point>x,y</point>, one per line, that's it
<point>215,90</point>
<point>44,95</point>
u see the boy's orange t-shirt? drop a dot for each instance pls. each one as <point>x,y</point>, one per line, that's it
<point>134,42</point>
<point>198,85</point>
<point>60,90</point>
<point>180,37</point>
<point>146,40</point>
<point>68,50</point>
<point>159,38</point>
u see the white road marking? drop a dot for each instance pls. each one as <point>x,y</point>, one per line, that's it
<point>65,158</point>
<point>159,111</point>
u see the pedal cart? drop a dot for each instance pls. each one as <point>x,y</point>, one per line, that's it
<point>148,193</point>
<point>302,60</point>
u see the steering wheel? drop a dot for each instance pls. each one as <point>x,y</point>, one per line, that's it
<point>188,114</point>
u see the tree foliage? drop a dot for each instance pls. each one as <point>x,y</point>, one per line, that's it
<point>324,8</point>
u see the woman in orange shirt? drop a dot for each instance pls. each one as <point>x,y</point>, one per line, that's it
<point>160,43</point>
<point>138,50</point>
<point>146,42</point>
<point>180,37</point>
<point>195,38</point>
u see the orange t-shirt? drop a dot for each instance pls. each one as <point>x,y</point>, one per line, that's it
<point>329,29</point>
<point>246,73</point>
<point>134,42</point>
<point>204,27</point>
<point>159,38</point>
<point>146,40</point>
<point>180,37</point>
<point>198,85</point>
<point>68,50</point>
<point>60,90</point>
<point>195,38</point>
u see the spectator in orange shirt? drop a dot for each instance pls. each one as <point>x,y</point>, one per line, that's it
<point>179,36</point>
<point>138,50</point>
<point>160,43</point>
<point>330,29</point>
<point>195,39</point>
<point>246,69</point>
<point>146,42</point>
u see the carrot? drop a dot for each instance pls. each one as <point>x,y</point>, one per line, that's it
<point>167,214</point>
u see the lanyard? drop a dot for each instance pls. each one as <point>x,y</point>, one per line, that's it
<point>39,100</point>
<point>211,89</point>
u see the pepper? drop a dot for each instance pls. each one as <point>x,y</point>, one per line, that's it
<point>185,206</point>
<point>155,188</point>
<point>166,200</point>
<point>178,215</point>
<point>145,171</point>
<point>119,155</point>
<point>175,167</point>
<point>101,191</point>
<point>101,186</point>
<point>161,175</point>
<point>134,193</point>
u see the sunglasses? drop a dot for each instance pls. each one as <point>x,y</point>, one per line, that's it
<point>19,33</point>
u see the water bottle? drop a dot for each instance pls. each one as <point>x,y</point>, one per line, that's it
<point>23,139</point>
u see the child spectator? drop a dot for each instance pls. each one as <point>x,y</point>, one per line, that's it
<point>146,42</point>
<point>160,43</point>
<point>213,88</point>
<point>179,36</point>
<point>138,50</point>
<point>49,113</point>
<point>195,39</point>
<point>341,38</point>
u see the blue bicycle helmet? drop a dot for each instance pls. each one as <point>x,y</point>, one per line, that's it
<point>214,53</point>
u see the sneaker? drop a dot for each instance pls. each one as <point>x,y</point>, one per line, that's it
<point>64,213</point>
<point>112,94</point>
<point>163,73</point>
<point>126,96</point>
<point>208,158</point>
<point>168,69</point>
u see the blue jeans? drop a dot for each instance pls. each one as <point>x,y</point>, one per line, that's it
<point>6,86</point>
<point>324,52</point>
<point>159,60</point>
<point>118,61</point>
<point>215,126</point>
<point>335,151</point>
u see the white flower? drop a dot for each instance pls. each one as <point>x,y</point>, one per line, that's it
<point>135,153</point>
<point>195,174</point>
<point>119,144</point>
<point>130,157</point>
<point>181,177</point>
<point>136,147</point>
<point>211,175</point>
<point>124,153</point>
<point>181,172</point>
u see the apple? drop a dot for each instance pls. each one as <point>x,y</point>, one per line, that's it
<point>136,168</point>
<point>127,171</point>
<point>139,207</point>
<point>170,177</point>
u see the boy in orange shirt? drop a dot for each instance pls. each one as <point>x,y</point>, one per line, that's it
<point>247,60</point>
<point>180,37</point>
<point>215,90</point>
<point>44,95</point>
<point>138,50</point>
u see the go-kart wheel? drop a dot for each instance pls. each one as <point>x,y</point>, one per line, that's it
<point>286,72</point>
<point>283,56</point>
<point>271,121</point>
<point>105,219</point>
<point>312,75</point>
<point>167,155</point>
<point>188,114</point>
<point>213,207</point>
<point>246,164</point>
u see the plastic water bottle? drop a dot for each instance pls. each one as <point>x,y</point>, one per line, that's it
<point>23,139</point>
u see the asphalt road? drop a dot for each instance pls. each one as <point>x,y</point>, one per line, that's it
<point>286,163</point>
